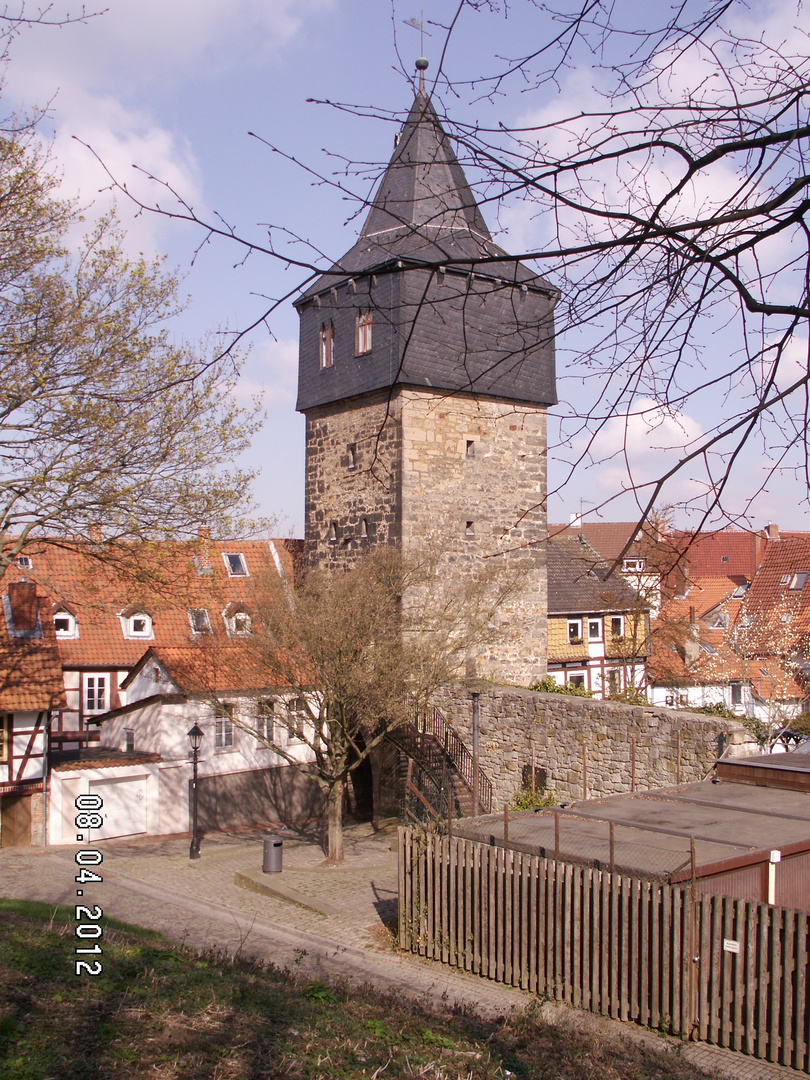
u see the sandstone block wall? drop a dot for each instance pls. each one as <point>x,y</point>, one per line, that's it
<point>353,478</point>
<point>474,473</point>
<point>581,739</point>
<point>464,474</point>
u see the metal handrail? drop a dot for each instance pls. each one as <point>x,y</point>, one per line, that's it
<point>434,724</point>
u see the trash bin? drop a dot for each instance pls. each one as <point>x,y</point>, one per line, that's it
<point>271,861</point>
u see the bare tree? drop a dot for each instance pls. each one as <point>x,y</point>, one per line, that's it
<point>361,652</point>
<point>671,208</point>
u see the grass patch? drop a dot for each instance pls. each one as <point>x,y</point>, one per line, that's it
<point>166,1011</point>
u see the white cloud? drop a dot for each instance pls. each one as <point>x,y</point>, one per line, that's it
<point>271,373</point>
<point>159,39</point>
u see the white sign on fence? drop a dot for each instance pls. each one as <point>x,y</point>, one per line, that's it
<point>729,945</point>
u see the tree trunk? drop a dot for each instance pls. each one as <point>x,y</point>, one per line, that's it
<point>334,824</point>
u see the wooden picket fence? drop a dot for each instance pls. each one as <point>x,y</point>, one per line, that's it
<point>729,972</point>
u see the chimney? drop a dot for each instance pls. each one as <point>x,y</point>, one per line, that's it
<point>575,521</point>
<point>772,531</point>
<point>22,610</point>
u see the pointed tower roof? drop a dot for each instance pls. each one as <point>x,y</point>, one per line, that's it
<point>424,211</point>
<point>424,187</point>
<point>451,311</point>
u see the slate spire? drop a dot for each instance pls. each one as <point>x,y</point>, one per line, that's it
<point>424,188</point>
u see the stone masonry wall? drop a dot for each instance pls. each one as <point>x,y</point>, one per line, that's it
<point>464,472</point>
<point>568,732</point>
<point>353,470</point>
<point>474,477</point>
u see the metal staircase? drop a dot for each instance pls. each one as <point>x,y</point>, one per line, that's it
<point>436,772</point>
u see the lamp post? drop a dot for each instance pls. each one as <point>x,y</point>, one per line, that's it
<point>195,737</point>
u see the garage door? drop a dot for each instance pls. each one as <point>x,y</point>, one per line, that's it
<point>123,808</point>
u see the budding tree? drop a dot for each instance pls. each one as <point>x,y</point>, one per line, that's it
<point>108,427</point>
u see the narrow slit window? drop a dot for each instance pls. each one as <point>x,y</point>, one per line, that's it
<point>470,530</point>
<point>352,448</point>
<point>470,448</point>
<point>363,529</point>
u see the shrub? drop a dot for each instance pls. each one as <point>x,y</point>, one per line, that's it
<point>526,799</point>
<point>547,685</point>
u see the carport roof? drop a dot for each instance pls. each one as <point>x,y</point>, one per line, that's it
<point>653,829</point>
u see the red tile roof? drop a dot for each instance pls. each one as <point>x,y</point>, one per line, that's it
<point>30,669</point>
<point>210,667</point>
<point>165,581</point>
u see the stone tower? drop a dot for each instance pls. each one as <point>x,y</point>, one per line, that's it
<point>426,366</point>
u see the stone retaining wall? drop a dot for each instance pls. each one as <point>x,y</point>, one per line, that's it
<point>586,746</point>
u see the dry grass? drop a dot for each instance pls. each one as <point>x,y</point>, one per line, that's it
<point>169,1013</point>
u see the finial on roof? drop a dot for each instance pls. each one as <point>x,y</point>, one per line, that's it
<point>421,67</point>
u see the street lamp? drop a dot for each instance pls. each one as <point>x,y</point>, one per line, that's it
<point>195,737</point>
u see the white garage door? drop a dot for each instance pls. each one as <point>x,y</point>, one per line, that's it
<point>124,806</point>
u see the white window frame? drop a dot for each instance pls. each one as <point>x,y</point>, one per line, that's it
<point>137,616</point>
<point>614,675</point>
<point>633,566</point>
<point>195,629</point>
<point>224,733</point>
<point>326,345</point>
<point>620,620</point>
<point>598,636</point>
<point>296,720</point>
<point>101,692</point>
<point>266,721</point>
<point>243,572</point>
<point>362,336</point>
<point>571,675</point>
<point>576,637</point>
<point>232,620</point>
<point>72,627</point>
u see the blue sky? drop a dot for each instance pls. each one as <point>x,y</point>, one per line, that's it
<point>175,86</point>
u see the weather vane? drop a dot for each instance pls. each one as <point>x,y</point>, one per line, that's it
<point>418,25</point>
<point>421,63</point>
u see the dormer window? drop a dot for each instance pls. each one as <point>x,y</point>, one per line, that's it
<point>326,345</point>
<point>235,563</point>
<point>136,623</point>
<point>64,623</point>
<point>200,623</point>
<point>140,626</point>
<point>362,341</point>
<point>574,631</point>
<point>24,562</point>
<point>237,620</point>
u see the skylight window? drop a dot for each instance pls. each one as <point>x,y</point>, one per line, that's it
<point>200,623</point>
<point>235,563</point>
<point>797,580</point>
